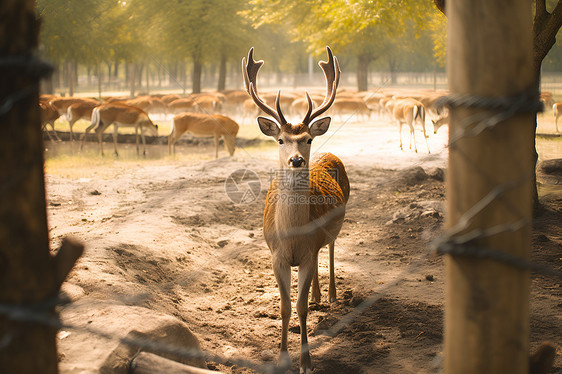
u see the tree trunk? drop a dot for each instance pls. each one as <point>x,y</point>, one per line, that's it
<point>363,72</point>
<point>132,76</point>
<point>393,67</point>
<point>99,73</point>
<point>147,80</point>
<point>196,78</point>
<point>138,74</point>
<point>222,74</point>
<point>487,301</point>
<point>70,79</point>
<point>28,274</point>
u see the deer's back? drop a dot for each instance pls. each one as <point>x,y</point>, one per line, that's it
<point>202,124</point>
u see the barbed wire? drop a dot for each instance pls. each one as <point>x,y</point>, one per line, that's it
<point>23,65</point>
<point>462,246</point>
<point>451,243</point>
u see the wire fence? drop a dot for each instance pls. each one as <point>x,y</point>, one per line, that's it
<point>451,243</point>
<point>455,241</point>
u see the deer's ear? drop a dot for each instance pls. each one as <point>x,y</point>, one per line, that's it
<point>320,126</point>
<point>268,127</point>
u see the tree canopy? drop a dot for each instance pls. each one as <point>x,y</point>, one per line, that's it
<point>389,35</point>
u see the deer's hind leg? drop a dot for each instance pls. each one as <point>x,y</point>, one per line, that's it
<point>315,295</point>
<point>332,288</point>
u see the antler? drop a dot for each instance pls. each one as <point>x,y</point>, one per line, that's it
<point>250,70</point>
<point>332,73</point>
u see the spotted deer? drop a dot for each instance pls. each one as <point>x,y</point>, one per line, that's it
<point>305,204</point>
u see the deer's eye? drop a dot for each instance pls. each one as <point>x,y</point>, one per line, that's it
<point>309,141</point>
<point>280,141</point>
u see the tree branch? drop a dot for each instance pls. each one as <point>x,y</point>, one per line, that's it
<point>545,28</point>
<point>440,4</point>
<point>540,8</point>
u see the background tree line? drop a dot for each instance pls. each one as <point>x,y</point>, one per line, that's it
<point>200,42</point>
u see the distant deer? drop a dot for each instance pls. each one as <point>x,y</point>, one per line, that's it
<point>49,114</point>
<point>410,111</point>
<point>123,115</point>
<point>557,109</point>
<point>305,204</point>
<point>204,125</point>
<point>79,110</point>
<point>441,121</point>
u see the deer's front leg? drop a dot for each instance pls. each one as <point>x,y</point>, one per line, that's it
<point>283,276</point>
<point>306,272</point>
<point>115,128</point>
<point>315,296</point>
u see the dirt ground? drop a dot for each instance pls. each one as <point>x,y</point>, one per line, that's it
<point>164,235</point>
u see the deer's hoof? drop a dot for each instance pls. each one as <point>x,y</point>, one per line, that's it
<point>306,364</point>
<point>284,360</point>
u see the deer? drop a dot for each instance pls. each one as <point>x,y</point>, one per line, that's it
<point>351,106</point>
<point>62,103</point>
<point>49,114</point>
<point>123,115</point>
<point>79,110</point>
<point>305,204</point>
<point>204,125</point>
<point>557,109</point>
<point>440,121</point>
<point>410,111</point>
<point>182,105</point>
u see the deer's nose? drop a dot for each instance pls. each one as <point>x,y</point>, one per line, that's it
<point>297,161</point>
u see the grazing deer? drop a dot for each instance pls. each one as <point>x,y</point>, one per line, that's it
<point>120,115</point>
<point>557,109</point>
<point>182,105</point>
<point>204,125</point>
<point>441,121</point>
<point>79,110</point>
<point>351,106</point>
<point>410,111</point>
<point>49,114</point>
<point>305,204</point>
<point>62,103</point>
<point>208,104</point>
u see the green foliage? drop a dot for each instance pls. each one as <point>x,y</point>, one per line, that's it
<point>367,28</point>
<point>284,32</point>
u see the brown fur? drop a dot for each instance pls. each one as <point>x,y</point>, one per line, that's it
<point>118,114</point>
<point>204,125</point>
<point>77,111</point>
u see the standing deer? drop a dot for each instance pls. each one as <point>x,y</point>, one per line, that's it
<point>204,125</point>
<point>305,204</point>
<point>49,114</point>
<point>410,111</point>
<point>123,115</point>
<point>557,109</point>
<point>79,110</point>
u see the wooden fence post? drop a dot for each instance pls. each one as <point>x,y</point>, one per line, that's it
<point>29,277</point>
<point>486,318</point>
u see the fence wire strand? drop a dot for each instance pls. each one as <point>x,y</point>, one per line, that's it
<point>452,242</point>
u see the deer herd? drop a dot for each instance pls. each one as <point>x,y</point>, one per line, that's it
<point>213,114</point>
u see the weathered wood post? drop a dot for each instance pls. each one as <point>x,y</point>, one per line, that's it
<point>486,318</point>
<point>29,277</point>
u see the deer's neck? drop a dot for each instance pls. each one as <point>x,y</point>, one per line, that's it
<point>293,209</point>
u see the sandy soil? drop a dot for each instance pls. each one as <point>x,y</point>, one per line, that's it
<point>164,235</point>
